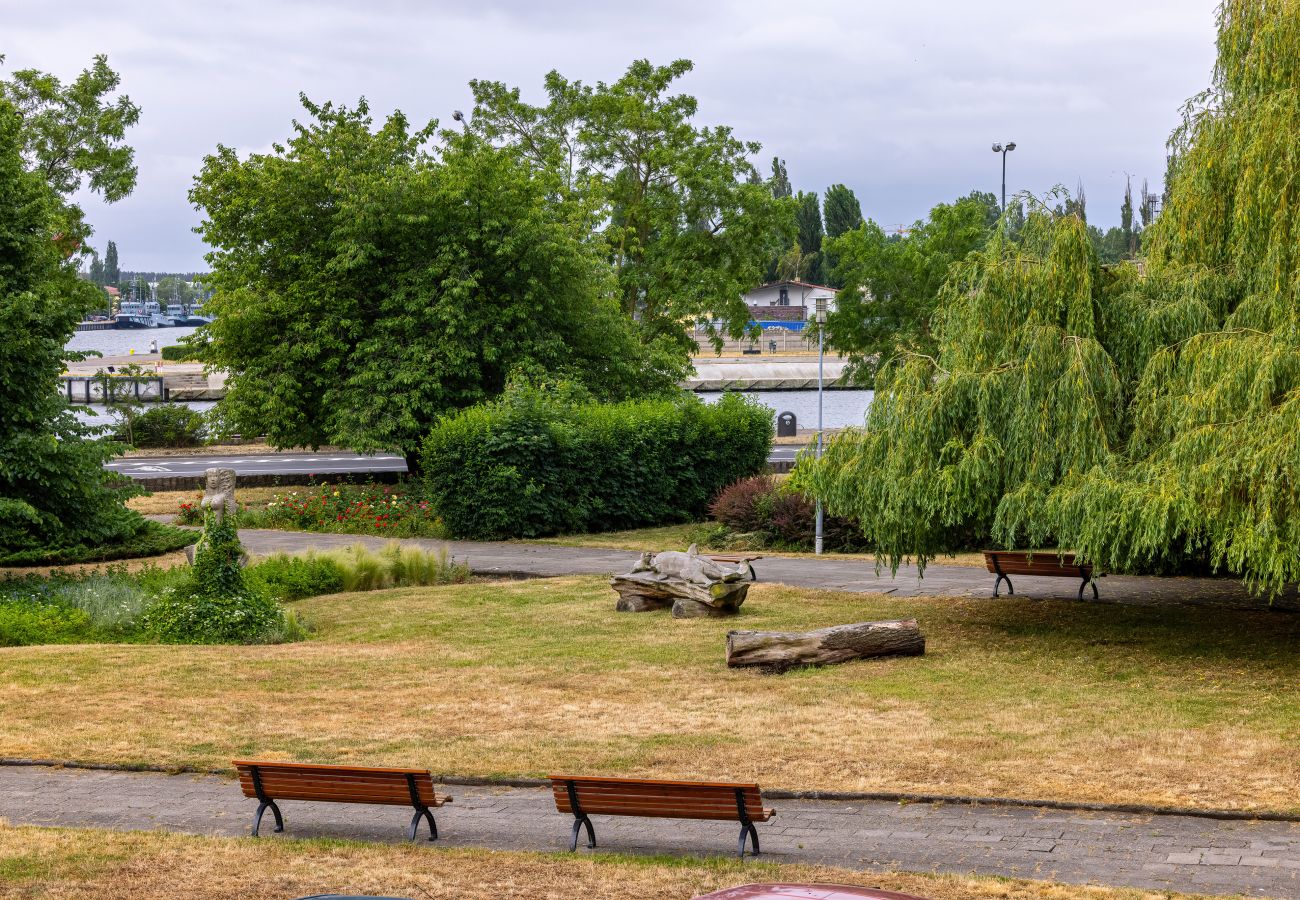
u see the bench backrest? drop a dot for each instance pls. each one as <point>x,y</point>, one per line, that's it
<point>1018,562</point>
<point>659,799</point>
<point>336,784</point>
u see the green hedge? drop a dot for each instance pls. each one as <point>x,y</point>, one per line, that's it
<point>527,465</point>
<point>181,353</point>
<point>152,539</point>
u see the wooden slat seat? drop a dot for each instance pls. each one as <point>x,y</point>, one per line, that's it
<point>270,781</point>
<point>1004,563</point>
<point>584,796</point>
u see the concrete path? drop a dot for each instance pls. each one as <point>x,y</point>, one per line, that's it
<point>853,575</point>
<point>1154,852</point>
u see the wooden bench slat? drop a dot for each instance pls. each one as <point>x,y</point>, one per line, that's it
<point>649,782</point>
<point>324,767</point>
<point>268,782</point>
<point>679,811</point>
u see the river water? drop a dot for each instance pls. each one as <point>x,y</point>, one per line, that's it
<point>841,408</point>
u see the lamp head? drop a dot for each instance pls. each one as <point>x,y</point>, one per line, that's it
<point>997,148</point>
<point>458,115</point>
<point>1011,146</point>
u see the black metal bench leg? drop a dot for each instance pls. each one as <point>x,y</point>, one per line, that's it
<point>578,822</point>
<point>262,807</point>
<point>422,811</point>
<point>747,830</point>
<point>1011,591</point>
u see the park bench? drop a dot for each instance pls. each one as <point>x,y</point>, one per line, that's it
<point>1005,563</point>
<point>268,782</point>
<point>584,797</point>
<point>737,559</point>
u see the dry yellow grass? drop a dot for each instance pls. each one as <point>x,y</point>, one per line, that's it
<point>75,864</point>
<point>168,502</point>
<point>1180,706</point>
<point>164,561</point>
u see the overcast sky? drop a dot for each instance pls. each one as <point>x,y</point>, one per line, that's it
<point>899,99</point>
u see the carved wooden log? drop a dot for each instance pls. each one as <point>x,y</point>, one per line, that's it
<point>644,591</point>
<point>781,650</point>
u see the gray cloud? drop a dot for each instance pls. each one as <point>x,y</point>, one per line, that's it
<point>899,100</point>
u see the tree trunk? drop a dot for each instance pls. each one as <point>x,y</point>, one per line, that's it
<point>778,650</point>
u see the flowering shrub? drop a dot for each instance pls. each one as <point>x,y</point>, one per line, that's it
<point>761,512</point>
<point>352,509</point>
<point>190,512</point>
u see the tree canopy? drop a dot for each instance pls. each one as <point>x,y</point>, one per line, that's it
<point>370,279</point>
<point>1144,416</point>
<point>890,285</point>
<point>54,491</point>
<point>842,210</point>
<point>676,208</point>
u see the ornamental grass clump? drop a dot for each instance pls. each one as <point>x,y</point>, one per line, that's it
<point>1144,416</point>
<point>216,604</point>
<point>362,569</point>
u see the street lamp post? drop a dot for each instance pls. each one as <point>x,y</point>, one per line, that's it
<point>821,364</point>
<point>999,148</point>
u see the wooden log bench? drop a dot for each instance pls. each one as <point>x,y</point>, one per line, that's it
<point>268,782</point>
<point>1005,563</point>
<point>737,559</point>
<point>584,797</point>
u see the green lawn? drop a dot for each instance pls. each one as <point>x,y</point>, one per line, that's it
<point>1170,705</point>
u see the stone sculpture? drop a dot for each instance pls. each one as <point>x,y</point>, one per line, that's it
<point>219,493</point>
<point>693,585</point>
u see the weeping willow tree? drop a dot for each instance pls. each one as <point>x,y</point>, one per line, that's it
<point>1146,416</point>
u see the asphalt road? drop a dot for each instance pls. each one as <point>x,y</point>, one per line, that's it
<point>291,463</point>
<point>258,464</point>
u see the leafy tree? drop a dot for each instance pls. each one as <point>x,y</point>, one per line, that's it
<point>843,212</point>
<point>112,274</point>
<point>366,283</point>
<point>890,286</point>
<point>54,491</point>
<point>1126,219</point>
<point>74,134</point>
<point>780,180</point>
<point>1145,418</point>
<point>96,270</point>
<point>808,221</point>
<point>670,204</point>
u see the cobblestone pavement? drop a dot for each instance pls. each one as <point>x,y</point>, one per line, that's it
<point>1189,854</point>
<point>854,575</point>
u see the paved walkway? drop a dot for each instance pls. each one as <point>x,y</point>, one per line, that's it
<point>1154,852</point>
<point>854,575</point>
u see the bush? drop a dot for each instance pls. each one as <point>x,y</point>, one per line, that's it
<point>768,513</point>
<point>179,353</point>
<point>529,464</point>
<point>215,604</point>
<point>168,425</point>
<point>287,577</point>
<point>150,539</point>
<point>26,624</point>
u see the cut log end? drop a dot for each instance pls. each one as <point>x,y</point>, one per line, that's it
<point>778,651</point>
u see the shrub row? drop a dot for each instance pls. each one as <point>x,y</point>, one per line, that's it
<point>529,465</point>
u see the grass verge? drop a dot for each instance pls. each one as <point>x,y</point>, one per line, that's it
<point>71,864</point>
<point>1173,706</point>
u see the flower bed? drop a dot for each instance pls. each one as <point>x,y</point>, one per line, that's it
<point>389,510</point>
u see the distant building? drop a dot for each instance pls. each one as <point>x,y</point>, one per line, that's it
<point>788,304</point>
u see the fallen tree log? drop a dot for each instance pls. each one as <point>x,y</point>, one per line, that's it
<point>780,650</point>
